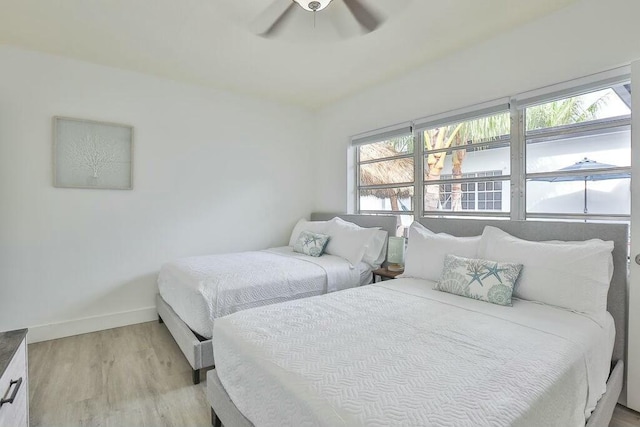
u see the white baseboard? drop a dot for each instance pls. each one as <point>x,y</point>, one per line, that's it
<point>90,324</point>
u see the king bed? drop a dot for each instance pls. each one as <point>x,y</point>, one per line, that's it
<point>402,353</point>
<point>195,291</point>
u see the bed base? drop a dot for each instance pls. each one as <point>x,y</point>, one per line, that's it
<point>224,411</point>
<point>215,421</point>
<point>601,416</point>
<point>198,353</point>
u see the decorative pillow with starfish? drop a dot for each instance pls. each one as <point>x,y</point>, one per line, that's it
<point>480,279</point>
<point>312,244</point>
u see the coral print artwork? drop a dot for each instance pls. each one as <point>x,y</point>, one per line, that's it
<point>90,154</point>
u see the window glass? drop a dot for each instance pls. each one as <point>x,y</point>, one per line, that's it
<point>607,147</point>
<point>469,149</point>
<point>586,169</point>
<point>473,196</point>
<point>391,199</point>
<point>382,166</point>
<point>487,196</point>
<point>605,197</point>
<point>472,160</point>
<point>477,131</point>
<point>398,171</point>
<point>389,148</point>
<point>602,104</point>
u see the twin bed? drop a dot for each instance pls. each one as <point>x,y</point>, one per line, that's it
<point>402,353</point>
<point>194,292</point>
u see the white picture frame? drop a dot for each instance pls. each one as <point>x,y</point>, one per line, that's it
<point>92,155</point>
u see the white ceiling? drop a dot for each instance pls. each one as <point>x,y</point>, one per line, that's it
<point>208,42</point>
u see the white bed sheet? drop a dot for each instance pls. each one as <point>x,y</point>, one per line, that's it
<point>400,353</point>
<point>200,289</point>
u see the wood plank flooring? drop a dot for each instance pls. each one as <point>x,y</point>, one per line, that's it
<point>131,376</point>
<point>623,417</point>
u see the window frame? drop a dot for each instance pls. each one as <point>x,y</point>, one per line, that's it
<point>485,110</point>
<point>593,83</point>
<point>381,135</point>
<point>516,106</point>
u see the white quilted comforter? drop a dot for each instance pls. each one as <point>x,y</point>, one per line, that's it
<point>201,289</point>
<point>400,353</point>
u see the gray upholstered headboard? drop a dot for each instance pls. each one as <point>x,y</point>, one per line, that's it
<point>389,223</point>
<point>617,303</point>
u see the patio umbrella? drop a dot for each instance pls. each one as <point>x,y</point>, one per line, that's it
<point>585,166</point>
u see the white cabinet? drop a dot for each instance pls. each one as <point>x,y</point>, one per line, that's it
<point>14,396</point>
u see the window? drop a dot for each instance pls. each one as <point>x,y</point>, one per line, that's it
<point>482,196</point>
<point>562,152</point>
<point>578,156</point>
<point>461,161</point>
<point>385,175</point>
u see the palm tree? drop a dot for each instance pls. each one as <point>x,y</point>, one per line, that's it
<point>564,112</point>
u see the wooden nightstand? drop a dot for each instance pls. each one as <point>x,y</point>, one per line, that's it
<point>383,273</point>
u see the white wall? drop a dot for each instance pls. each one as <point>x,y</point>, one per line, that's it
<point>587,37</point>
<point>214,172</point>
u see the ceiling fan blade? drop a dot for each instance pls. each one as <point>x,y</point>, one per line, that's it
<point>270,21</point>
<point>363,15</point>
<point>344,23</point>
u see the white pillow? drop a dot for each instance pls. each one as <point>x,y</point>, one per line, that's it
<point>376,249</point>
<point>426,251</point>
<point>348,240</point>
<point>571,275</point>
<point>318,227</point>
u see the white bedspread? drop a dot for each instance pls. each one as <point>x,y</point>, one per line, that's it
<point>400,353</point>
<point>201,289</point>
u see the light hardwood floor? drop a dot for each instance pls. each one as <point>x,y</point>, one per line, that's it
<point>130,376</point>
<point>623,417</point>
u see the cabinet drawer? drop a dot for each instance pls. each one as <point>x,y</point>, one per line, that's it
<point>15,414</point>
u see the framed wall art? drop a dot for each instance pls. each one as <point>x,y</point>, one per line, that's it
<point>90,154</point>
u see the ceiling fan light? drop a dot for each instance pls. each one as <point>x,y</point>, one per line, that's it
<point>313,5</point>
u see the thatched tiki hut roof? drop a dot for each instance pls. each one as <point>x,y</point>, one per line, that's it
<point>385,172</point>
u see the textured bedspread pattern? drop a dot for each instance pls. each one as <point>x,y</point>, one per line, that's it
<point>208,287</point>
<point>377,356</point>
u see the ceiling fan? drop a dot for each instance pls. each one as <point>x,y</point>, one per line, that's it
<point>275,16</point>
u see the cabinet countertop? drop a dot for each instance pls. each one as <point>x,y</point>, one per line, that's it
<point>9,343</point>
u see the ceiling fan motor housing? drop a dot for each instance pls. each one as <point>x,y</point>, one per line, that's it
<point>367,20</point>
<point>314,5</point>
